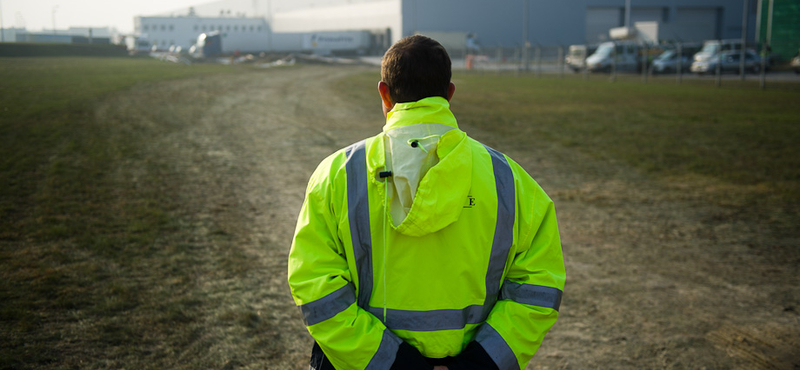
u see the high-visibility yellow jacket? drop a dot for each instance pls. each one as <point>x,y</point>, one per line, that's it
<point>477,257</point>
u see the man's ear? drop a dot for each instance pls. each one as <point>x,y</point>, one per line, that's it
<point>383,90</point>
<point>450,91</point>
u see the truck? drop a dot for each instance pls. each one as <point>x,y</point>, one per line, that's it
<point>208,44</point>
<point>338,42</point>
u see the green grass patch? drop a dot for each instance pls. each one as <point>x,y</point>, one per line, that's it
<point>52,152</point>
<point>76,232</point>
<point>62,85</point>
<point>732,134</point>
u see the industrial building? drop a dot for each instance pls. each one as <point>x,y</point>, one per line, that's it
<point>72,35</point>
<point>241,33</point>
<point>266,24</point>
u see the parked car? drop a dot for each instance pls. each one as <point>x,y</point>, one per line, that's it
<point>730,62</point>
<point>795,64</point>
<point>667,62</point>
<point>713,47</point>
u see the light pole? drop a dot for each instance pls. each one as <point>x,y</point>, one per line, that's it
<point>767,47</point>
<point>758,23</point>
<point>525,34</point>
<point>744,38</point>
<point>54,19</point>
<point>628,13</point>
<point>270,25</point>
<point>414,16</point>
<point>2,31</point>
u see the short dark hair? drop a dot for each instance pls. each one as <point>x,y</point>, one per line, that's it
<point>416,67</point>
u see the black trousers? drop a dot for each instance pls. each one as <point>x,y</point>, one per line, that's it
<point>474,357</point>
<point>320,362</point>
<point>318,359</point>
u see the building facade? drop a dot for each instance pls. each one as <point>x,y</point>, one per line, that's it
<point>239,33</point>
<point>72,35</point>
<point>501,23</point>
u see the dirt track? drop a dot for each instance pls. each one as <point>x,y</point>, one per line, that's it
<point>656,277</point>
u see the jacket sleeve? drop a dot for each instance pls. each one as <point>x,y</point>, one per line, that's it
<point>320,282</point>
<point>531,292</point>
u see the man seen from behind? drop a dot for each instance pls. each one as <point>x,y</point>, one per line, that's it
<point>421,248</point>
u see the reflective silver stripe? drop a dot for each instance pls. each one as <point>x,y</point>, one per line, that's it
<point>504,228</point>
<point>328,306</point>
<point>496,347</point>
<point>434,320</point>
<point>534,295</point>
<point>387,351</point>
<point>358,214</point>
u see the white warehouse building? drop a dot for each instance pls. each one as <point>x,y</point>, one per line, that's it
<point>247,34</point>
<point>277,24</point>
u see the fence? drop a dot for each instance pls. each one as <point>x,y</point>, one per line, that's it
<point>551,60</point>
<point>532,59</point>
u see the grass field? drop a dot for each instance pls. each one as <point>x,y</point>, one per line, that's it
<point>77,245</point>
<point>72,237</point>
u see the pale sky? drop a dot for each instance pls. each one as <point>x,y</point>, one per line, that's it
<point>38,15</point>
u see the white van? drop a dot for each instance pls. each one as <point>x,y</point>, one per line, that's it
<point>625,53</point>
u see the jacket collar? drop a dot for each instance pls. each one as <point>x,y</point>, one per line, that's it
<point>429,110</point>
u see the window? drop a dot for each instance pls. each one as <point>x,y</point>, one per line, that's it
<point>204,27</point>
<point>163,27</point>
<point>146,27</point>
<point>228,28</point>
<point>171,27</point>
<point>235,28</point>
<point>195,27</point>
<point>259,28</point>
<point>251,28</point>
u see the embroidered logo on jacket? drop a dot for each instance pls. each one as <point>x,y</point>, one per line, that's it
<point>470,202</point>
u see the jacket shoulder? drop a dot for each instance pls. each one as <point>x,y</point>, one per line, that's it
<point>333,169</point>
